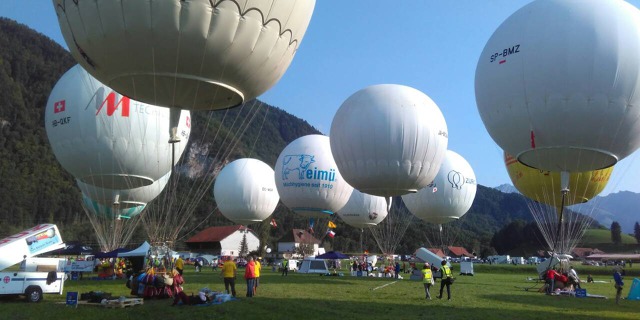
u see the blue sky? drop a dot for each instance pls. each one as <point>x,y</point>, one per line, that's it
<point>431,45</point>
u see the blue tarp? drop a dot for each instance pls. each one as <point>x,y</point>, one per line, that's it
<point>333,255</point>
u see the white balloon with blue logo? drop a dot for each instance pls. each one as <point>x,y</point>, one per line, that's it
<point>308,179</point>
<point>363,210</point>
<point>449,196</point>
<point>245,191</point>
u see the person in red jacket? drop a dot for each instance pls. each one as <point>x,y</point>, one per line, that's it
<point>551,279</point>
<point>250,276</point>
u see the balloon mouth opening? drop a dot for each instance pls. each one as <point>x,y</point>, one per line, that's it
<point>117,181</point>
<point>442,220</point>
<point>386,192</point>
<point>570,159</point>
<point>312,212</point>
<point>179,90</point>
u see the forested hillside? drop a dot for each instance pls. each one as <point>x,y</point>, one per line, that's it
<point>35,189</point>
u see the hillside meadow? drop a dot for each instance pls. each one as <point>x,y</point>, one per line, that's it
<point>495,292</point>
<point>603,236</point>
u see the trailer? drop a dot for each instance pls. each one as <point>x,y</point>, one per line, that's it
<point>32,279</point>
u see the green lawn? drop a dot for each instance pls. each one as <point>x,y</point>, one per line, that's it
<point>600,236</point>
<point>495,292</point>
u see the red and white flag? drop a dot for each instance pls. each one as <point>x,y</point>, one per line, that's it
<point>273,223</point>
<point>59,106</point>
<point>331,234</point>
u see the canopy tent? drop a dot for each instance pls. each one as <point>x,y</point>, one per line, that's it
<point>310,265</point>
<point>111,254</point>
<point>333,255</point>
<point>140,251</point>
<point>73,249</point>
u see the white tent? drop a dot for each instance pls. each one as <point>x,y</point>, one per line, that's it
<point>311,265</point>
<point>140,251</point>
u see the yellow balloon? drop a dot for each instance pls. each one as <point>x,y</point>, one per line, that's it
<point>544,186</point>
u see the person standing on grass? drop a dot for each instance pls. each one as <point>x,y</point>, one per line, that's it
<point>180,265</point>
<point>447,279</point>
<point>228,272</point>
<point>617,277</point>
<point>250,276</point>
<point>285,267</point>
<point>427,280</point>
<point>258,267</point>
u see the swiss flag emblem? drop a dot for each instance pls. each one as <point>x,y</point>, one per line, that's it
<point>59,106</point>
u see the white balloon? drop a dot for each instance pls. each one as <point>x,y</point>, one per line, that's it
<point>557,84</point>
<point>245,191</point>
<point>449,196</point>
<point>107,140</point>
<point>125,198</point>
<point>111,212</point>
<point>192,54</point>
<point>363,210</point>
<point>388,140</point>
<point>308,179</point>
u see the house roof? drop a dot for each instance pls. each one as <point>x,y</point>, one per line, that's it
<point>437,252</point>
<point>299,236</point>
<point>581,252</point>
<point>215,234</point>
<point>459,251</point>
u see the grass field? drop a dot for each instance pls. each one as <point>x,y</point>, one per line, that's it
<point>495,292</point>
<point>599,236</point>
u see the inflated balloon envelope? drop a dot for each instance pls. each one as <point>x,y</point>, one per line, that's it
<point>449,196</point>
<point>557,84</point>
<point>544,186</point>
<point>106,139</point>
<point>245,191</point>
<point>308,180</point>
<point>191,54</point>
<point>388,140</point>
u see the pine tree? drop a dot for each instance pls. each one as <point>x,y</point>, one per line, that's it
<point>636,232</point>
<point>244,247</point>
<point>616,233</point>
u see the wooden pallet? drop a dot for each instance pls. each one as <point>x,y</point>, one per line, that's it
<point>123,304</point>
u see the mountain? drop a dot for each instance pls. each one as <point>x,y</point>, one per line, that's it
<point>623,207</point>
<point>507,188</point>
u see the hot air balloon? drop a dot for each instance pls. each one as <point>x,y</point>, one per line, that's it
<point>544,186</point>
<point>363,210</point>
<point>546,201</point>
<point>108,140</point>
<point>308,180</point>
<point>191,54</point>
<point>245,191</point>
<point>556,84</point>
<point>449,196</point>
<point>388,140</point>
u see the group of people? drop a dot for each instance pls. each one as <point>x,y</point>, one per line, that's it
<point>251,275</point>
<point>428,279</point>
<point>559,279</point>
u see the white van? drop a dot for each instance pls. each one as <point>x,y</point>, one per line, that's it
<point>36,276</point>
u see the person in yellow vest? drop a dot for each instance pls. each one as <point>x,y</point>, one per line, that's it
<point>285,267</point>
<point>180,265</point>
<point>258,268</point>
<point>447,279</point>
<point>427,280</point>
<point>228,272</point>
